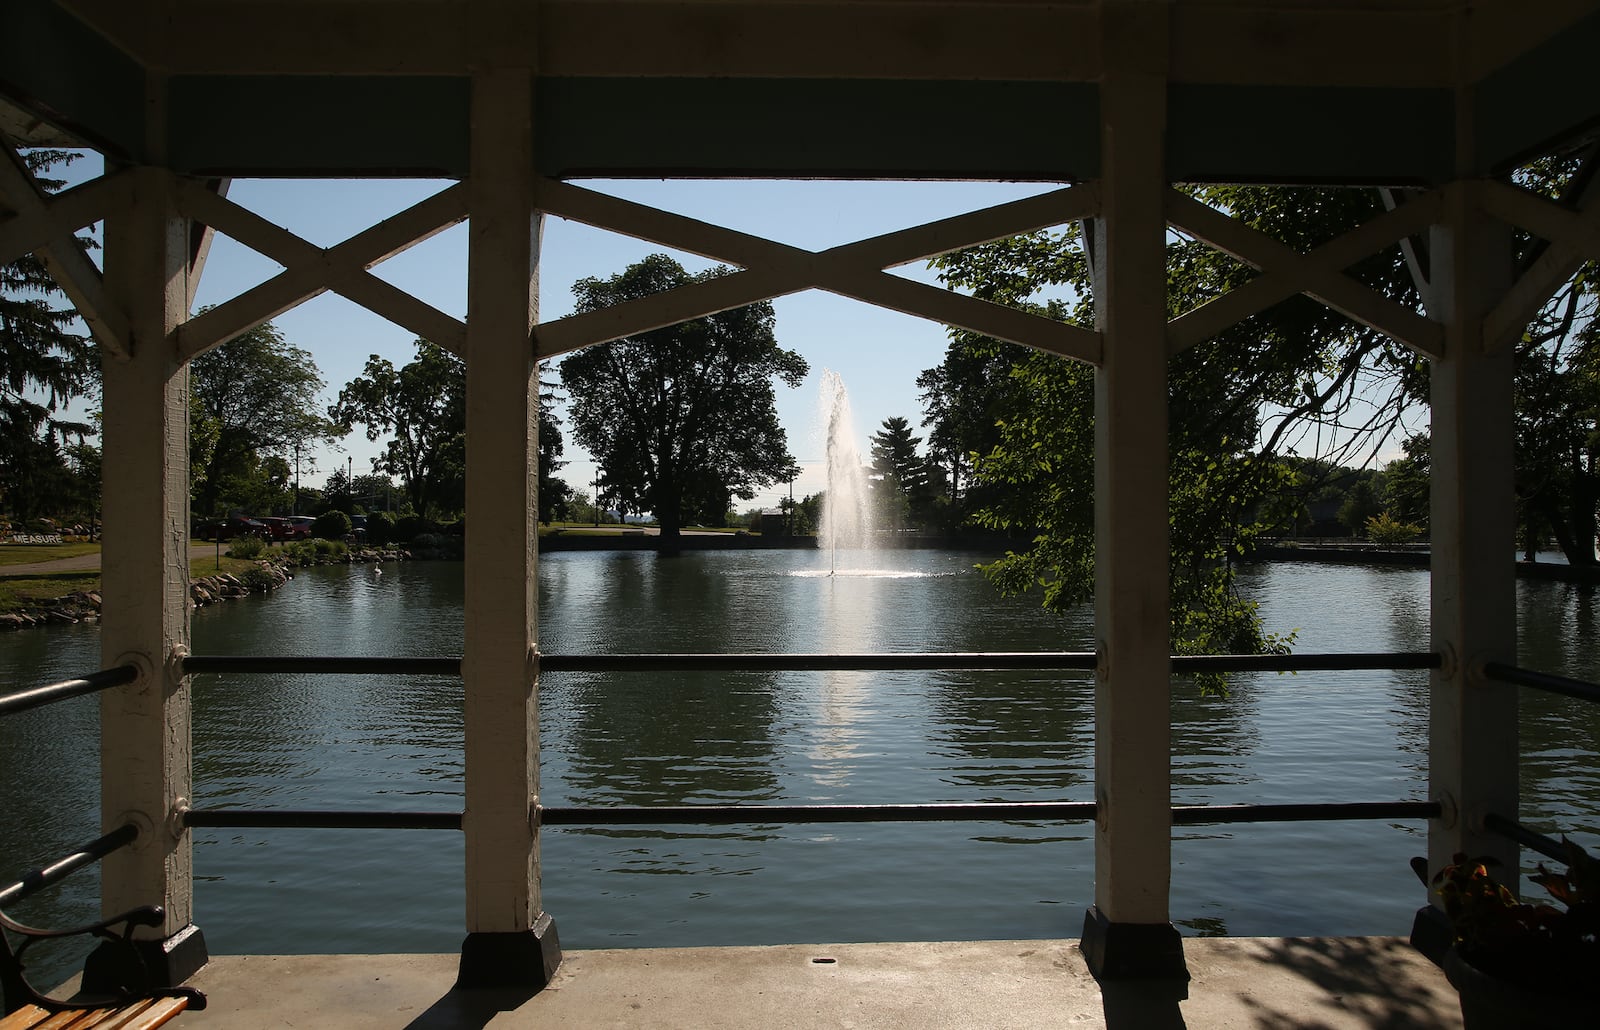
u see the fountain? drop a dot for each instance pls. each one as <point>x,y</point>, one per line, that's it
<point>846,510</point>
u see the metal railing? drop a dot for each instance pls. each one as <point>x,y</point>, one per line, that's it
<point>1063,811</point>
<point>55,872</point>
<point>1542,681</point>
<point>22,700</point>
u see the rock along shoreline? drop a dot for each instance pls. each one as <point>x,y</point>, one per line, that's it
<point>267,576</point>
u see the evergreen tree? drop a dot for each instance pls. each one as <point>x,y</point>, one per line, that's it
<point>44,366</point>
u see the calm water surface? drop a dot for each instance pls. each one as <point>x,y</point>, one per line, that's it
<point>767,738</point>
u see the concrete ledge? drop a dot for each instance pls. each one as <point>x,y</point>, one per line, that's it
<point>1328,983</point>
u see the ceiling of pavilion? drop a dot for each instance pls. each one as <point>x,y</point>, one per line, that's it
<point>1348,91</point>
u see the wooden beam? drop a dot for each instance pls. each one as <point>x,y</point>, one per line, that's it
<point>310,270</point>
<point>853,270</point>
<point>63,256</point>
<point>1574,238</point>
<point>1286,271</point>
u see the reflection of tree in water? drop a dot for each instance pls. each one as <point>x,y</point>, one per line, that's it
<point>1560,736</point>
<point>1213,739</point>
<point>1016,735</point>
<point>671,739</point>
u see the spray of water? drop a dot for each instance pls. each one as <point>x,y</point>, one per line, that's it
<point>846,514</point>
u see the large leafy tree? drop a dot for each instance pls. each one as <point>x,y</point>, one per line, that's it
<point>254,399</point>
<point>44,365</point>
<point>962,400</point>
<point>1300,362</point>
<point>422,405</point>
<point>683,418</point>
<point>1558,393</point>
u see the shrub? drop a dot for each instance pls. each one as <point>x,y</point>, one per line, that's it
<point>409,527</point>
<point>330,548</point>
<point>256,579</point>
<point>246,547</point>
<point>331,525</point>
<point>1384,528</point>
<point>380,529</point>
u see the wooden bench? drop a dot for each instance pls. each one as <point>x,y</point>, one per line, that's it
<point>140,1015</point>
<point>130,1002</point>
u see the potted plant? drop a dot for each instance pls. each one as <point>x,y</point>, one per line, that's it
<point>1518,963</point>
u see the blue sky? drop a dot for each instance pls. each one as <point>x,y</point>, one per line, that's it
<point>878,353</point>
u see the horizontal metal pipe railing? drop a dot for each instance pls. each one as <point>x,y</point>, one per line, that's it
<point>1337,662</point>
<point>334,664</point>
<point>302,819</point>
<point>39,879</point>
<point>1351,811</point>
<point>23,700</point>
<point>1542,681</point>
<point>755,662</point>
<point>1549,847</point>
<point>726,815</point>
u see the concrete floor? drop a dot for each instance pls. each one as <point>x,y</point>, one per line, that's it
<point>1322,983</point>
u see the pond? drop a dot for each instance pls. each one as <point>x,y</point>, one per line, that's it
<point>298,741</point>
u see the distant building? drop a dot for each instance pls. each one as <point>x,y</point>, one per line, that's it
<point>772,522</point>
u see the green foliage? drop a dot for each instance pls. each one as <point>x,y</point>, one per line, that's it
<point>380,529</point>
<point>1530,943</point>
<point>1384,528</point>
<point>408,527</point>
<point>904,486</point>
<point>253,401</point>
<point>256,579</point>
<point>683,419</point>
<point>1361,505</point>
<point>330,548</point>
<point>44,366</point>
<point>331,525</point>
<point>1227,480</point>
<point>423,404</point>
<point>246,547</point>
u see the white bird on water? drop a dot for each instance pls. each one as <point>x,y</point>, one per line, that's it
<point>377,571</point>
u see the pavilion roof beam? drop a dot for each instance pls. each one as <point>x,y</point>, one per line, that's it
<point>201,237</point>
<point>310,270</point>
<point>1574,238</point>
<point>1285,272</point>
<point>57,246</point>
<point>853,270</point>
<point>1390,44</point>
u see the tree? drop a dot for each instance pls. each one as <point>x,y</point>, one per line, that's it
<point>424,405</point>
<point>684,418</point>
<point>44,366</point>
<point>1312,365</point>
<point>962,399</point>
<point>254,398</point>
<point>902,475</point>
<point>555,495</point>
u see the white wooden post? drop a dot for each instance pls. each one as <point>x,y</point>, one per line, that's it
<point>1127,934</point>
<point>144,726</point>
<point>1473,751</point>
<point>510,941</point>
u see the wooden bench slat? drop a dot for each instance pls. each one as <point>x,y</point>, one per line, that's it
<point>32,1017</point>
<point>146,1014</point>
<point>25,1018</point>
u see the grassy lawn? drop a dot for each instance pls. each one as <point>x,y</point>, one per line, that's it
<point>24,554</point>
<point>18,592</point>
<point>29,591</point>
